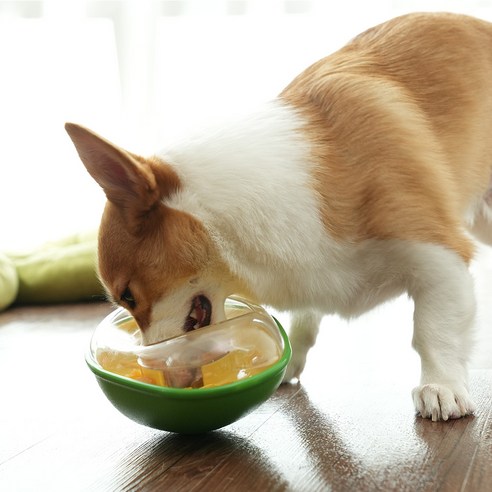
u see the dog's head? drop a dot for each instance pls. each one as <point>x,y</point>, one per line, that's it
<point>156,261</point>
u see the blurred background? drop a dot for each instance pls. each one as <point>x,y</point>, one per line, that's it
<point>140,72</point>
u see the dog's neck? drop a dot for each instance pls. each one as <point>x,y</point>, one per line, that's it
<point>245,181</point>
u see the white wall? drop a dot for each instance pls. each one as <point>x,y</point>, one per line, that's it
<point>139,72</point>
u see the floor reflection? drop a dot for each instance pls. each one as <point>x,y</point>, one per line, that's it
<point>187,461</point>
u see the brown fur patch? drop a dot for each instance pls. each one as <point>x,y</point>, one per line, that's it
<point>154,252</point>
<point>145,248</point>
<point>166,248</point>
<point>401,125</point>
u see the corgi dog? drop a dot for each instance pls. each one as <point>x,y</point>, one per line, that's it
<point>366,178</point>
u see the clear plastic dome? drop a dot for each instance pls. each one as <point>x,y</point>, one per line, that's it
<point>245,344</point>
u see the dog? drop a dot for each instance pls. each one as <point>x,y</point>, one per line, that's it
<point>366,178</point>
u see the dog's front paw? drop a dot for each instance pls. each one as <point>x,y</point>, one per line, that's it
<point>295,368</point>
<point>303,332</point>
<point>441,402</point>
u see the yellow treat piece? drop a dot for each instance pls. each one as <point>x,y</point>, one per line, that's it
<point>152,376</point>
<point>127,365</point>
<point>234,366</point>
<point>120,363</point>
<point>136,374</point>
<point>130,325</point>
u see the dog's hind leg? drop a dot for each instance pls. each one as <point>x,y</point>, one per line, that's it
<point>442,289</point>
<point>302,335</point>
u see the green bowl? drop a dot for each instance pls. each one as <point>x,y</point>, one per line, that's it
<point>191,411</point>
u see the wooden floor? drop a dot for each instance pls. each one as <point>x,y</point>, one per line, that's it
<point>350,426</point>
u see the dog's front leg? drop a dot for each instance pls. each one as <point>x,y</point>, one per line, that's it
<point>443,322</point>
<point>302,335</point>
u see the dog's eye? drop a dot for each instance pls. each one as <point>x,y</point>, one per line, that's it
<point>127,298</point>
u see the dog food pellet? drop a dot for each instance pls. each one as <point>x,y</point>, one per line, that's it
<point>234,366</point>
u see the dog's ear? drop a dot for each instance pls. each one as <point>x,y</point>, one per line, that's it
<point>128,181</point>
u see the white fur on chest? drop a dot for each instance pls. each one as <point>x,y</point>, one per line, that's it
<point>250,184</point>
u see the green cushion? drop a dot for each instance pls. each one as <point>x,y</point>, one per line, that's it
<point>9,281</point>
<point>59,272</point>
